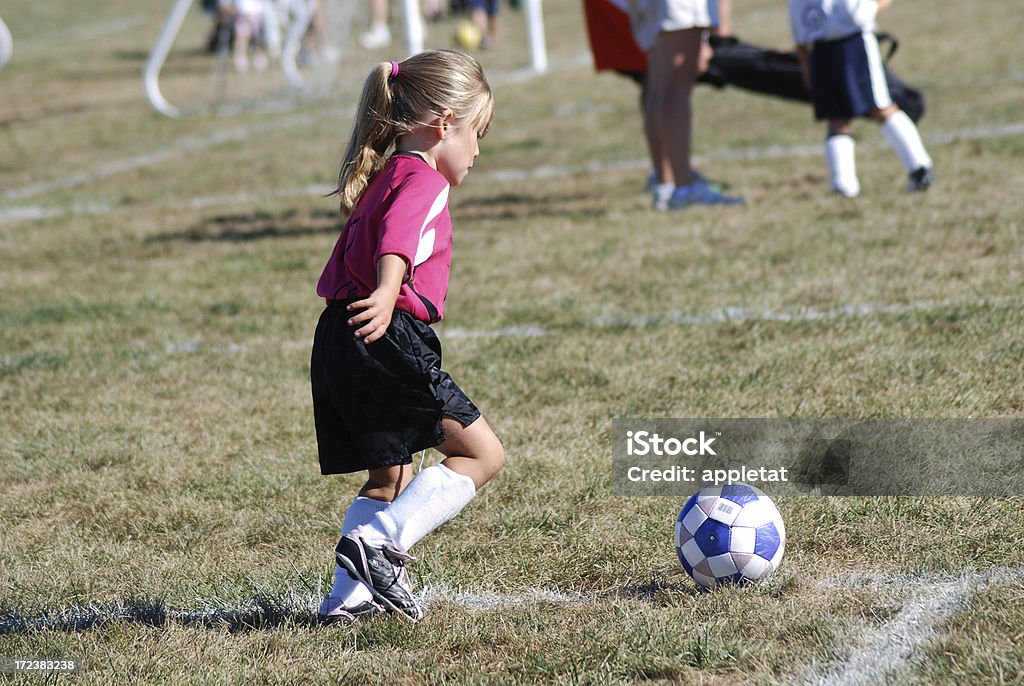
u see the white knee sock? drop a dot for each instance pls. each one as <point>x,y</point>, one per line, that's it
<point>347,591</point>
<point>432,498</point>
<point>841,156</point>
<point>903,136</point>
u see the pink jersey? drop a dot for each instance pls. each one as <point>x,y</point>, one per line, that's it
<point>404,212</point>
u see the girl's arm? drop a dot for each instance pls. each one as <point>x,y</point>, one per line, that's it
<point>883,5</point>
<point>378,307</point>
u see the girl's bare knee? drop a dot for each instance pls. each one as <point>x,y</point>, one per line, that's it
<point>837,127</point>
<point>386,483</point>
<point>475,448</point>
<point>495,455</point>
<point>488,452</point>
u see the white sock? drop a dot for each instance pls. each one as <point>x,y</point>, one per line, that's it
<point>903,136</point>
<point>432,498</point>
<point>841,156</point>
<point>346,590</point>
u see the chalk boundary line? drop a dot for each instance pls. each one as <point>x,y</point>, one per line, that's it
<point>195,143</point>
<point>192,144</point>
<point>600,322</point>
<point>878,655</point>
<point>883,654</point>
<point>261,611</point>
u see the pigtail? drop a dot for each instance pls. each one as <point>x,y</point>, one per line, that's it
<point>373,134</point>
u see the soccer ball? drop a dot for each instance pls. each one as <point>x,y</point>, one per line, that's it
<point>467,35</point>
<point>729,534</point>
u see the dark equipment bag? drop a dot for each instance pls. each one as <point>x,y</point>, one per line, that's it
<point>771,72</point>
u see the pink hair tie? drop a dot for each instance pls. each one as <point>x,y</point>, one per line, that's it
<point>394,69</point>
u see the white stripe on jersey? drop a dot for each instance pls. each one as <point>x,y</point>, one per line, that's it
<point>425,248</point>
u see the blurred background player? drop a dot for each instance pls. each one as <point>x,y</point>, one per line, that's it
<point>379,33</point>
<point>486,14</point>
<point>314,36</point>
<point>246,18</point>
<point>843,69</point>
<point>673,34</point>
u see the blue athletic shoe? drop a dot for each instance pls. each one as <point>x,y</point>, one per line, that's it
<point>700,193</point>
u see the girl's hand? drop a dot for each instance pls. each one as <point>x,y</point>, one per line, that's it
<point>377,309</point>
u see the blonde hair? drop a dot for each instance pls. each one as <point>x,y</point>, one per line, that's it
<point>390,106</point>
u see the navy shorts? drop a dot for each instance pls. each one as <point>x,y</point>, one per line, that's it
<point>493,7</point>
<point>375,405</point>
<point>847,77</point>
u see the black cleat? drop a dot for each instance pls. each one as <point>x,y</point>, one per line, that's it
<point>383,571</point>
<point>921,179</point>
<point>342,614</point>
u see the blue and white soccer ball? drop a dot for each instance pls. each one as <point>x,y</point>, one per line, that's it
<point>730,534</point>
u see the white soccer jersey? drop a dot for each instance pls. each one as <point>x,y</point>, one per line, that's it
<point>244,7</point>
<point>817,20</point>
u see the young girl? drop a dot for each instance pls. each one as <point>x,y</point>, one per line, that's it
<point>379,393</point>
<point>843,70</point>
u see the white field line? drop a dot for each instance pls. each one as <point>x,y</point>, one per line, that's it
<point>183,146</point>
<point>743,154</point>
<point>729,315</point>
<point>883,654</point>
<point>291,607</point>
<point>878,656</point>
<point>193,144</point>
<point>723,315</point>
<point>83,32</point>
<point>601,322</point>
<point>455,333</point>
<point>179,148</point>
<point>17,213</point>
<point>489,600</point>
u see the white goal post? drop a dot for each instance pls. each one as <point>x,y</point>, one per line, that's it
<point>299,15</point>
<point>6,44</point>
<point>287,22</point>
<point>157,57</point>
<point>532,9</point>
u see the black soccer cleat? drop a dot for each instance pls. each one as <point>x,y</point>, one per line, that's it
<point>921,179</point>
<point>383,571</point>
<point>347,614</point>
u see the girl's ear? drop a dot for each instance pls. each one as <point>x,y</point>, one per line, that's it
<point>445,123</point>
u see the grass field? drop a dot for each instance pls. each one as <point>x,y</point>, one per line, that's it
<point>162,515</point>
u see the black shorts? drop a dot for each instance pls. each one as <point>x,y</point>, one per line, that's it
<point>375,405</point>
<point>847,77</point>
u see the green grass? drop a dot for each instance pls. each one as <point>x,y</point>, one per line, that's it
<point>157,452</point>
